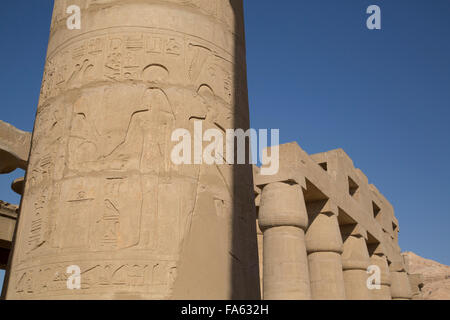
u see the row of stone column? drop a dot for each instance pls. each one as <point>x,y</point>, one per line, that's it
<point>303,260</point>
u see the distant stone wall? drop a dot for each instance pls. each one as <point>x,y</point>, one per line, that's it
<point>8,217</point>
<point>430,279</point>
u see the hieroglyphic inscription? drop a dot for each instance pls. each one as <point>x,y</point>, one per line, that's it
<point>127,56</point>
<point>149,277</point>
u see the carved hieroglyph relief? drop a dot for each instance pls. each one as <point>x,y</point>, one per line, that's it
<point>102,192</point>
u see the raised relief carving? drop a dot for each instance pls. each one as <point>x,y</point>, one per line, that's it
<point>35,236</point>
<point>102,190</point>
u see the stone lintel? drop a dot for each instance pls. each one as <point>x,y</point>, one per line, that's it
<point>14,148</point>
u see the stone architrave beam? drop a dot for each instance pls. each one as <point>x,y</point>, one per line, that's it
<point>14,148</point>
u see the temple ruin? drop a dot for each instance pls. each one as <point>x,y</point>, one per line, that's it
<point>101,192</point>
<point>321,226</point>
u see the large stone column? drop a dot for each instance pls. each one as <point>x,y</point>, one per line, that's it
<point>355,261</point>
<point>324,246</point>
<point>283,220</point>
<point>101,190</point>
<point>400,285</point>
<point>384,293</point>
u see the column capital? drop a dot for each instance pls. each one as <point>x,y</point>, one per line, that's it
<point>282,204</point>
<point>18,185</point>
<point>323,234</point>
<point>14,148</point>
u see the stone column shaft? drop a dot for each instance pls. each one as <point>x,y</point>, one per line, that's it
<point>355,261</point>
<point>283,220</point>
<point>400,284</point>
<point>324,246</point>
<point>384,293</point>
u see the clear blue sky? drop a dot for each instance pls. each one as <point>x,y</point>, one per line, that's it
<point>319,75</point>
